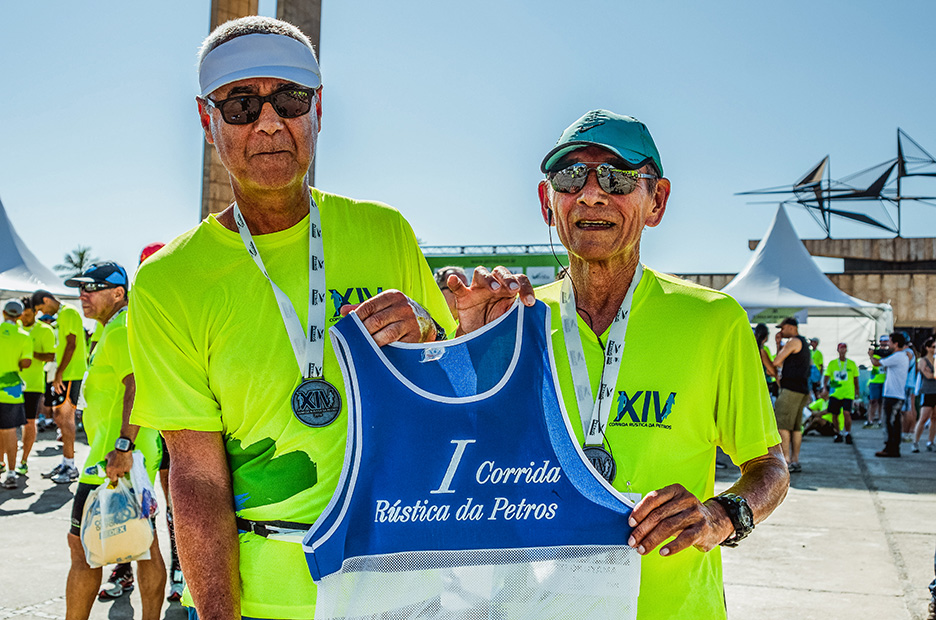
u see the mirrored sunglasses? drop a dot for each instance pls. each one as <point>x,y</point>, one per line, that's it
<point>245,109</point>
<point>571,179</point>
<point>91,287</point>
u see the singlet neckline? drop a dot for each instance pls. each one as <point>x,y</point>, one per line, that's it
<point>516,310</point>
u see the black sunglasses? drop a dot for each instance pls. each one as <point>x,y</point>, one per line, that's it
<point>571,179</point>
<point>91,287</point>
<point>245,109</point>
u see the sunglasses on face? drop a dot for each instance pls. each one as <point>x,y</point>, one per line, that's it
<point>571,179</point>
<point>245,109</point>
<point>91,287</point>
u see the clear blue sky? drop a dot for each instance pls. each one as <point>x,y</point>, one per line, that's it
<point>445,110</point>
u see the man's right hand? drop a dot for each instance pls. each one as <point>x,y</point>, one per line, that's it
<point>490,295</point>
<point>58,386</point>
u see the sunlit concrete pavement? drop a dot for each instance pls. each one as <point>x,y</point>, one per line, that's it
<point>34,558</point>
<point>854,539</point>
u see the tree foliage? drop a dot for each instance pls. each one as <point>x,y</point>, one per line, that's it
<point>76,262</point>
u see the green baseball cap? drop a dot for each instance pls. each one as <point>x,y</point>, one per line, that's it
<point>624,136</point>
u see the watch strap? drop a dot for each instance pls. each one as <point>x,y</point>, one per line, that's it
<point>739,512</point>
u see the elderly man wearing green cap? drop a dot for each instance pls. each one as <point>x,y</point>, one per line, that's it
<point>656,373</point>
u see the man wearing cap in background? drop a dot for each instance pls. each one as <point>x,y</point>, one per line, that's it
<point>817,369</point>
<point>71,355</point>
<point>794,363</point>
<point>34,377</point>
<point>654,428</point>
<point>15,357</point>
<point>841,382</point>
<point>108,392</point>
<point>876,382</point>
<point>229,328</point>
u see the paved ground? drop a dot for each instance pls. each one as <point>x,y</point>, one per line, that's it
<point>854,539</point>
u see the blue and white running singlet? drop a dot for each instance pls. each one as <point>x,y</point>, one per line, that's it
<point>464,493</point>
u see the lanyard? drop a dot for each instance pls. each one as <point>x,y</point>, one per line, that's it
<point>309,352</point>
<point>611,366</point>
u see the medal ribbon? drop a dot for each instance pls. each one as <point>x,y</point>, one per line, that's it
<point>309,351</point>
<point>600,407</point>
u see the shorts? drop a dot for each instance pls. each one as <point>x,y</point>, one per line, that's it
<point>875,391</point>
<point>789,410</point>
<point>72,390</point>
<point>164,463</point>
<point>81,496</point>
<point>929,400</point>
<point>840,404</point>
<point>32,404</point>
<point>12,415</point>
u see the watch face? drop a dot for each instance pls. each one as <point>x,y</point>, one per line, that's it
<point>122,444</point>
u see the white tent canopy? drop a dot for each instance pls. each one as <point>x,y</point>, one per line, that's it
<point>782,279</point>
<point>21,272</point>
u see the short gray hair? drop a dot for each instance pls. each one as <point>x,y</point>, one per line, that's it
<point>252,24</point>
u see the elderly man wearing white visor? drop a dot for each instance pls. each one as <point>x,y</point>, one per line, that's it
<point>229,328</point>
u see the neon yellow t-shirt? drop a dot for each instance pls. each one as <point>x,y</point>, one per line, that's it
<point>69,323</point>
<point>821,405</point>
<point>15,345</point>
<point>770,356</point>
<point>103,391</point>
<point>43,341</point>
<point>669,414</point>
<point>816,357</point>
<point>878,373</point>
<point>842,379</point>
<point>211,354</point>
<point>95,338</point>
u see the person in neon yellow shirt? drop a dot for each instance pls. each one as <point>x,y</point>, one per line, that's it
<point>876,383</point>
<point>108,391</point>
<point>15,357</point>
<point>841,381</point>
<point>71,355</point>
<point>43,344</point>
<point>253,460</point>
<point>665,419</point>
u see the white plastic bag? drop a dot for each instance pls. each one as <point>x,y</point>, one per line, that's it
<point>142,487</point>
<point>114,529</point>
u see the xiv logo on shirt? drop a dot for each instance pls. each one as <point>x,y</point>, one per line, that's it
<point>634,410</point>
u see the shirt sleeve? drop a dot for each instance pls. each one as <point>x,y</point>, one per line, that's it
<point>172,388</point>
<point>744,417</point>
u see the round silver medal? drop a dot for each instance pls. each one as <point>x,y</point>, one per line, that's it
<point>316,403</point>
<point>601,461</point>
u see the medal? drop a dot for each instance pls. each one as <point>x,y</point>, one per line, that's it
<point>600,405</point>
<point>602,461</point>
<point>316,403</point>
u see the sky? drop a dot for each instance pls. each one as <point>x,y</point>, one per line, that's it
<point>445,111</point>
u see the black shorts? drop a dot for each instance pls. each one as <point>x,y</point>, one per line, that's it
<point>840,404</point>
<point>164,463</point>
<point>72,389</point>
<point>81,497</point>
<point>32,404</point>
<point>929,400</point>
<point>12,415</point>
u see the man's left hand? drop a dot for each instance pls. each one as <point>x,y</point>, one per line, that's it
<point>118,464</point>
<point>490,295</point>
<point>391,316</point>
<point>674,511</point>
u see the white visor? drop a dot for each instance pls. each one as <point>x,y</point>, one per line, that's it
<point>258,56</point>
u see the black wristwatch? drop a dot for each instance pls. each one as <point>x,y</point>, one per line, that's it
<point>123,444</point>
<point>741,517</point>
<point>440,333</point>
